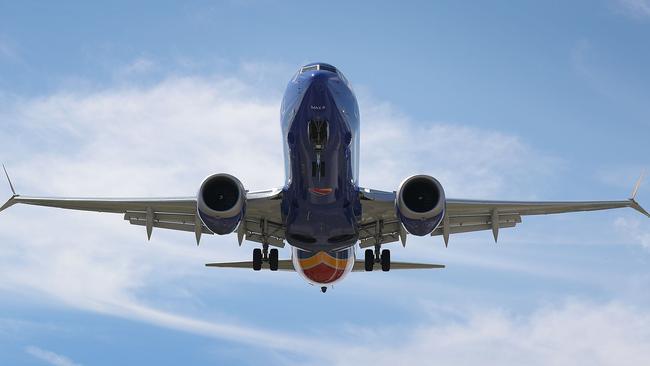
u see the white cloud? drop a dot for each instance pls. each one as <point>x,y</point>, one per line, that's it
<point>151,140</point>
<point>634,229</point>
<point>635,8</point>
<point>140,65</point>
<point>50,357</point>
<point>469,162</point>
<point>577,333</point>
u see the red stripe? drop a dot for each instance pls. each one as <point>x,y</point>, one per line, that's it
<point>322,273</point>
<point>321,191</point>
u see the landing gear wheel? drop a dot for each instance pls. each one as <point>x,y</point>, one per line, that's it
<point>385,260</point>
<point>273,259</point>
<point>257,259</point>
<point>369,260</point>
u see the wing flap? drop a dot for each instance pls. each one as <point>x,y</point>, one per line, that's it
<point>172,226</point>
<point>163,220</point>
<point>466,220</point>
<point>470,228</point>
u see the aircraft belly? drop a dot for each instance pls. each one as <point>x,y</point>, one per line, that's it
<point>321,205</point>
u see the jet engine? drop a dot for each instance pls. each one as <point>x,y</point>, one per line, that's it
<point>221,203</point>
<point>420,204</point>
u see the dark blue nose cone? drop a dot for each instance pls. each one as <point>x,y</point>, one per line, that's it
<point>318,81</point>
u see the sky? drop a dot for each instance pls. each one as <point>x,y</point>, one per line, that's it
<point>506,100</point>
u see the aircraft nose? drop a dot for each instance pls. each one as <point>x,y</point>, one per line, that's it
<point>318,81</point>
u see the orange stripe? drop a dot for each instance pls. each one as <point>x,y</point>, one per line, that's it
<point>323,257</point>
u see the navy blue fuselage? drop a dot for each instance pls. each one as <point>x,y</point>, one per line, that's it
<point>320,127</point>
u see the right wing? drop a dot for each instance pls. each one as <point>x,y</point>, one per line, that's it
<point>262,221</point>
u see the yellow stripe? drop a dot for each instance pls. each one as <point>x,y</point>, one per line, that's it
<point>323,257</point>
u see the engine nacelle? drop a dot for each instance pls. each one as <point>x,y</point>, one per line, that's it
<point>221,203</point>
<point>420,204</point>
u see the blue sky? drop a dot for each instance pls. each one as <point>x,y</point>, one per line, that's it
<point>535,100</point>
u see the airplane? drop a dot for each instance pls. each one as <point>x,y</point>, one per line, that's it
<point>321,211</point>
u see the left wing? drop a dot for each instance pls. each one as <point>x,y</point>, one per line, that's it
<point>380,224</point>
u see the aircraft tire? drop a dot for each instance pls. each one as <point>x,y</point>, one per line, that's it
<point>369,260</point>
<point>385,260</point>
<point>273,259</point>
<point>257,259</point>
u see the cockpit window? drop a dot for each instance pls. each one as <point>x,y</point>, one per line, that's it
<point>317,67</point>
<point>327,67</point>
<point>309,68</point>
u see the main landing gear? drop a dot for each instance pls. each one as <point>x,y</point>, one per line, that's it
<point>264,255</point>
<point>372,257</point>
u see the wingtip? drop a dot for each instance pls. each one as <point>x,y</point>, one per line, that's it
<point>13,190</point>
<point>10,202</point>
<point>635,190</point>
<point>635,205</point>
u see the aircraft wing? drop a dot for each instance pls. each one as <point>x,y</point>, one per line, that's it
<point>283,265</point>
<point>176,213</point>
<point>381,225</point>
<point>359,266</point>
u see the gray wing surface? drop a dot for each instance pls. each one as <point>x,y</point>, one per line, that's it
<point>175,213</point>
<point>381,225</point>
<point>359,266</point>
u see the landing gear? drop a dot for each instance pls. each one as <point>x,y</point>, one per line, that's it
<point>385,260</point>
<point>323,289</point>
<point>372,257</point>
<point>273,260</point>
<point>265,255</point>
<point>257,259</point>
<point>369,260</point>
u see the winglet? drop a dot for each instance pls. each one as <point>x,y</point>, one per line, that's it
<point>637,185</point>
<point>8,180</point>
<point>12,200</point>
